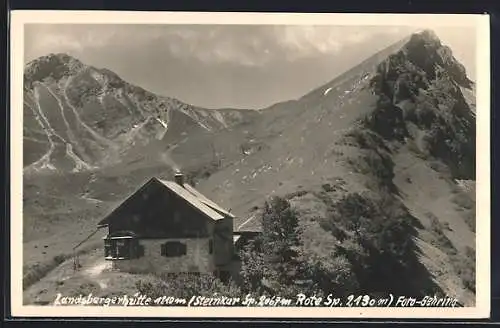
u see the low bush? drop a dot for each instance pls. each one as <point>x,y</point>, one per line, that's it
<point>441,241</point>
<point>470,219</point>
<point>298,193</point>
<point>378,165</point>
<point>85,288</point>
<point>327,187</point>
<point>185,286</point>
<point>382,229</point>
<point>463,201</point>
<point>367,139</point>
<point>387,120</point>
<point>465,267</point>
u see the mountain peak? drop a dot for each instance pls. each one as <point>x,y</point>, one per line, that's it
<point>425,50</point>
<point>427,40</point>
<point>56,58</point>
<point>427,35</point>
<point>53,65</point>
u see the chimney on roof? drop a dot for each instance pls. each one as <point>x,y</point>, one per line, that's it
<point>179,178</point>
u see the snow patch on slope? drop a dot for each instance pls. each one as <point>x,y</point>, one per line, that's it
<point>218,116</point>
<point>161,133</point>
<point>162,122</point>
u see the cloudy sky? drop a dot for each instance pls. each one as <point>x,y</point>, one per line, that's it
<point>236,66</point>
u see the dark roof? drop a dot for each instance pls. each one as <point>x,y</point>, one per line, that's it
<point>206,201</point>
<point>186,192</point>
<point>192,199</point>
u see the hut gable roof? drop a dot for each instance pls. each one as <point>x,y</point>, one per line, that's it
<point>186,192</point>
<point>192,199</point>
<point>207,201</point>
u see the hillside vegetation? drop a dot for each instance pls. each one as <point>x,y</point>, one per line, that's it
<point>369,180</point>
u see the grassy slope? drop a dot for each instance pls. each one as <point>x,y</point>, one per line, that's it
<point>433,198</point>
<point>101,116</point>
<point>112,185</point>
<point>291,147</point>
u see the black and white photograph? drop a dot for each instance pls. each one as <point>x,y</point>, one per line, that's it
<point>245,164</point>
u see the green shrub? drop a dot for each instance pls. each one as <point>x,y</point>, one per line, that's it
<point>470,219</point>
<point>273,263</point>
<point>367,139</point>
<point>85,288</point>
<point>383,231</point>
<point>333,273</point>
<point>334,227</point>
<point>464,201</point>
<point>387,120</point>
<point>327,187</point>
<point>442,241</point>
<point>465,267</point>
<point>185,286</point>
<point>377,164</point>
<point>298,193</point>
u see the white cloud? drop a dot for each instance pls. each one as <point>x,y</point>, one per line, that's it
<point>74,39</point>
<point>305,41</point>
<point>59,41</point>
<point>245,45</point>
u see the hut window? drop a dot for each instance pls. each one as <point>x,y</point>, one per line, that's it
<point>210,246</point>
<point>173,249</point>
<point>123,249</point>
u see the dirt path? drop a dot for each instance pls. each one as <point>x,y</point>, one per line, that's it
<point>95,270</point>
<point>63,279</point>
